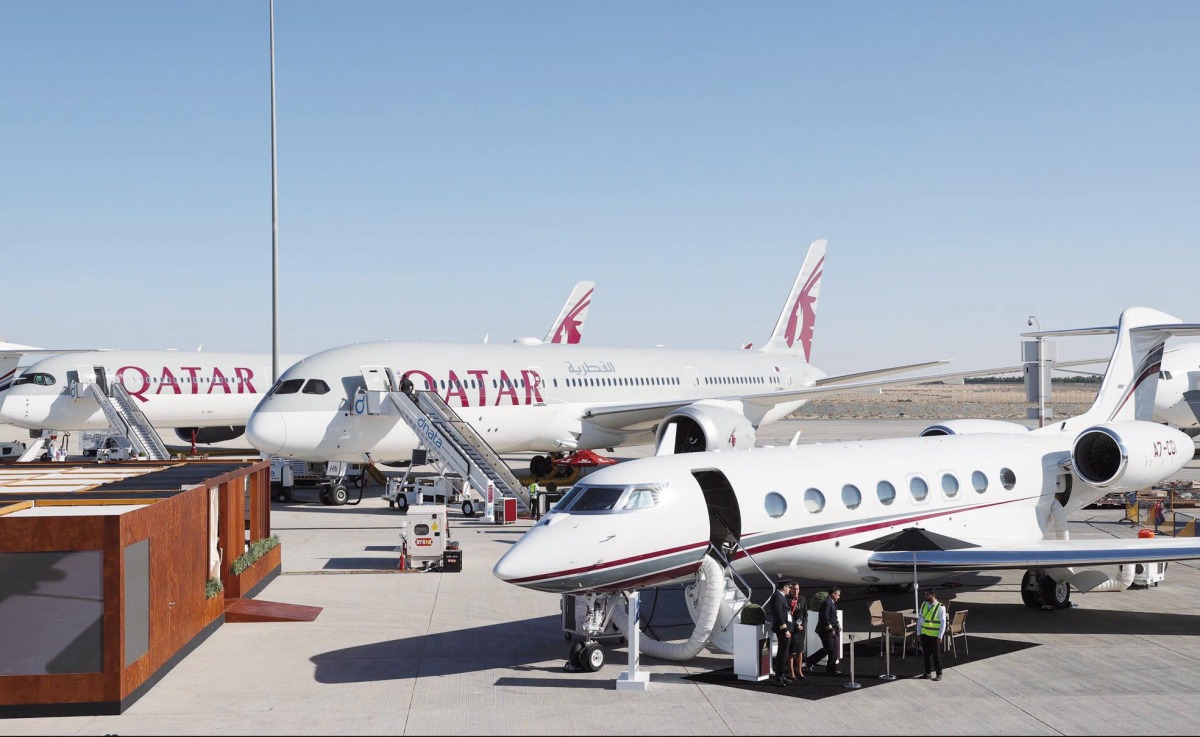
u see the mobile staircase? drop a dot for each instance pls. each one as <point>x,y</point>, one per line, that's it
<point>450,441</point>
<point>125,419</point>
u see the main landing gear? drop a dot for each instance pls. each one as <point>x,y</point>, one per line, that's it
<point>1040,591</point>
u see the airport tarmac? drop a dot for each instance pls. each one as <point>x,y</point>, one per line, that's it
<point>464,653</point>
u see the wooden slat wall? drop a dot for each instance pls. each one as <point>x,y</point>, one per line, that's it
<point>178,528</point>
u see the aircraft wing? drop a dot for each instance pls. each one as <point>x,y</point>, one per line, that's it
<point>1038,554</point>
<point>642,415</point>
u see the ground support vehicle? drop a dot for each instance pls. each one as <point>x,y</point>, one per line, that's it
<point>332,481</point>
<point>451,490</point>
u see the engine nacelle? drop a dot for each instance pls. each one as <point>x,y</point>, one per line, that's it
<point>1127,456</point>
<point>708,425</point>
<point>207,435</point>
<point>973,427</point>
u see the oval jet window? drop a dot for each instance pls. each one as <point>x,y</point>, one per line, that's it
<point>950,485</point>
<point>979,481</point>
<point>1008,479</point>
<point>886,492</point>
<point>775,504</point>
<point>919,488</point>
<point>814,500</point>
<point>851,496</point>
<point>421,529</point>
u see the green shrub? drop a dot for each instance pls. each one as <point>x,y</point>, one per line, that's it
<point>213,587</point>
<point>254,551</point>
<point>814,601</point>
<point>753,614</point>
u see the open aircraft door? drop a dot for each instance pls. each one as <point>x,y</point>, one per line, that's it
<point>377,381</point>
<point>85,375</point>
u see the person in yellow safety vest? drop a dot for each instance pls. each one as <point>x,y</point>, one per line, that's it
<point>933,628</point>
<point>533,499</point>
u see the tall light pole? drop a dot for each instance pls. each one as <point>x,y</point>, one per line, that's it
<point>1041,373</point>
<point>274,219</point>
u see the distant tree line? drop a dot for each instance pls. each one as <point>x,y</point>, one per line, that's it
<point>1021,380</point>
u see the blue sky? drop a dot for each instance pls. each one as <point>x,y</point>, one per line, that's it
<point>448,171</point>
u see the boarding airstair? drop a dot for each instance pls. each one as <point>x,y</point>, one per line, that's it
<point>124,418</point>
<point>450,441</point>
<point>34,451</point>
<point>453,443</point>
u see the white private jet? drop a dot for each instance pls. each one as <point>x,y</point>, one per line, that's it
<point>205,397</point>
<point>813,511</point>
<point>559,398</point>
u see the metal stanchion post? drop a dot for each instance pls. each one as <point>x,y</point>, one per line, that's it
<point>887,657</point>
<point>851,683</point>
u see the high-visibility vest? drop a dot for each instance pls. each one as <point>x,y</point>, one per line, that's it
<point>931,624</point>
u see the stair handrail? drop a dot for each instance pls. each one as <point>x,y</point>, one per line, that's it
<point>469,435</point>
<point>145,435</point>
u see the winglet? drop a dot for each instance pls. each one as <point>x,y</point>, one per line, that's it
<point>568,326</point>
<point>794,329</point>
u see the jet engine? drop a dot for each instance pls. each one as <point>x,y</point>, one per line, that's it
<point>1127,456</point>
<point>972,427</point>
<point>708,425</point>
<point>207,435</point>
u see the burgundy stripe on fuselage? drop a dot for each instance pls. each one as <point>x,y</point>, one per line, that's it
<point>681,570</point>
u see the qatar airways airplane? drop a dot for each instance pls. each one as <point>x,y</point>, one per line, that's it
<point>995,489</point>
<point>562,397</point>
<point>205,396</point>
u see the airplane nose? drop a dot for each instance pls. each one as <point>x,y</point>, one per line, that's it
<point>267,431</point>
<point>519,565</point>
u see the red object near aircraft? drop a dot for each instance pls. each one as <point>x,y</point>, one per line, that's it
<point>584,458</point>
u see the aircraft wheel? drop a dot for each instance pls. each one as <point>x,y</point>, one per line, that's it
<point>1056,593</point>
<point>402,503</point>
<point>338,494</point>
<point>592,657</point>
<point>283,495</point>
<point>574,653</point>
<point>540,466</point>
<point>1031,592</point>
<point>468,509</point>
<point>324,496</point>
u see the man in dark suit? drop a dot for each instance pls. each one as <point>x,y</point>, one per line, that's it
<point>830,633</point>
<point>781,625</point>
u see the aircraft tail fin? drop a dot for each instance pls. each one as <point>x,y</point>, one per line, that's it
<point>794,329</point>
<point>1131,378</point>
<point>568,326</point>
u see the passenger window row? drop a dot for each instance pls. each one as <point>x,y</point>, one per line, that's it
<point>885,491</point>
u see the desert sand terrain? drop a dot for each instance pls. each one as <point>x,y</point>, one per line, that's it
<point>948,401</point>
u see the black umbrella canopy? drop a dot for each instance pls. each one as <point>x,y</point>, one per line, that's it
<point>914,538</point>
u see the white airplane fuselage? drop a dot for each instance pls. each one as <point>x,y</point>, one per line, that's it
<point>172,388</point>
<point>607,550</point>
<point>1180,374</point>
<point>517,397</point>
<point>799,511</point>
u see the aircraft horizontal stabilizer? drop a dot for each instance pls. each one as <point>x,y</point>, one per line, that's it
<point>1040,554</point>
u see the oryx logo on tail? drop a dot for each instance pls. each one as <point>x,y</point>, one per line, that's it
<point>794,329</point>
<point>568,328</point>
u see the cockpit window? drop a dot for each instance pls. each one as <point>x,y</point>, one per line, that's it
<point>288,386</point>
<point>641,498</point>
<point>315,386</point>
<point>597,499</point>
<point>38,378</point>
<point>569,497</point>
